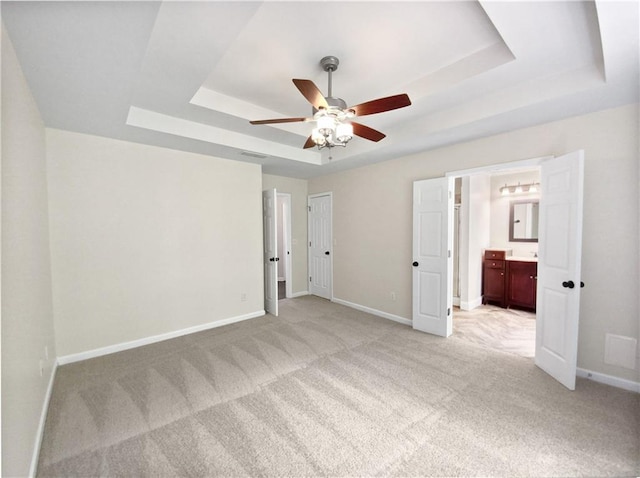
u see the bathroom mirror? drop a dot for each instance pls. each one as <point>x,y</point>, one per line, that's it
<point>523,221</point>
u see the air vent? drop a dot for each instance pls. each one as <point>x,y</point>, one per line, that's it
<point>253,155</point>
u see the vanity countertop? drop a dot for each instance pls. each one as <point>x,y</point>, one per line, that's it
<point>522,258</point>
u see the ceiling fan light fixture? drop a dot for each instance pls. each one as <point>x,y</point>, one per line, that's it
<point>326,124</point>
<point>333,117</point>
<point>318,138</point>
<point>344,132</point>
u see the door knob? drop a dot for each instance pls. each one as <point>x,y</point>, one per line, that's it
<point>568,284</point>
<point>415,264</point>
<point>272,259</point>
<point>326,253</point>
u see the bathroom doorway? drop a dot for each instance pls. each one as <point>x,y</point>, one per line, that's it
<point>481,222</point>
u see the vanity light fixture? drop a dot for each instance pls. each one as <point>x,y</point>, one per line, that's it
<point>519,188</point>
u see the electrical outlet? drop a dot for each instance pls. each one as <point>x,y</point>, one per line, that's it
<point>243,297</point>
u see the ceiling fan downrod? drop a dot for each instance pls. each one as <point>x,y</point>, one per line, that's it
<point>330,64</point>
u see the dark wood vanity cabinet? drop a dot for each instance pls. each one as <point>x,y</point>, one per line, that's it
<point>522,281</point>
<point>507,282</point>
<point>493,276</point>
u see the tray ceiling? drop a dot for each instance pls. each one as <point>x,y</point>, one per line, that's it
<point>190,75</point>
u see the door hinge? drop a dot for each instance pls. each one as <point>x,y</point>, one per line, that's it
<point>449,253</point>
<point>309,243</point>
<point>309,278</point>
<point>448,311</point>
<point>309,208</point>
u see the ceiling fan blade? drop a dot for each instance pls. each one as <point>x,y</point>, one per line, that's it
<point>279,120</point>
<point>366,132</point>
<point>309,143</point>
<point>311,92</point>
<point>381,105</point>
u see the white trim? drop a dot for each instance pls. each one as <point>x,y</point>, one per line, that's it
<point>43,418</point>
<point>299,294</point>
<point>66,359</point>
<point>523,163</point>
<point>617,382</point>
<point>471,304</point>
<point>456,301</point>
<point>369,310</point>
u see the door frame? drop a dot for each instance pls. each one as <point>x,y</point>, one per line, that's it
<point>285,220</point>
<point>309,198</point>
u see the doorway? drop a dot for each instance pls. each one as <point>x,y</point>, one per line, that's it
<point>283,228</point>
<point>558,264</point>
<point>482,221</point>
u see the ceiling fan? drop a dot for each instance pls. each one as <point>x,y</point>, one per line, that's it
<point>334,119</point>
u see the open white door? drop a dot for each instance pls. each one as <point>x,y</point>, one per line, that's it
<point>320,265</point>
<point>560,251</point>
<point>270,221</point>
<point>432,261</point>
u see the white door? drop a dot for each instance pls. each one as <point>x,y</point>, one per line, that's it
<point>432,261</point>
<point>320,273</point>
<point>560,250</point>
<point>270,221</point>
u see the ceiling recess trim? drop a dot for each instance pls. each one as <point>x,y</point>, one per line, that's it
<point>190,129</point>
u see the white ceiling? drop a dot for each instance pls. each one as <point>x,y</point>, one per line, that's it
<point>190,75</point>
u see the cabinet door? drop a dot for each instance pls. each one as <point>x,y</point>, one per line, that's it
<point>493,286</point>
<point>521,284</point>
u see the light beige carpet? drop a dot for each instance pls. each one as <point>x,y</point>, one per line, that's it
<point>324,390</point>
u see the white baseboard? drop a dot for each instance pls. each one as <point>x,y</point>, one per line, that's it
<point>299,294</point>
<point>609,380</point>
<point>369,310</point>
<point>153,339</point>
<point>456,301</point>
<point>471,304</point>
<point>43,419</point>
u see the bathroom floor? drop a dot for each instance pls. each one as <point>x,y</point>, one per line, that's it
<point>509,330</point>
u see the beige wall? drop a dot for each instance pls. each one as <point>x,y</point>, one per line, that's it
<point>372,220</point>
<point>147,241</point>
<point>27,317</point>
<point>298,190</point>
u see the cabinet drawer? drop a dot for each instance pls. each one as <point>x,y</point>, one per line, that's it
<point>494,264</point>
<point>495,254</point>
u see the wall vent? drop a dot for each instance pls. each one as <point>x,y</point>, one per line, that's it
<point>620,350</point>
<point>253,155</point>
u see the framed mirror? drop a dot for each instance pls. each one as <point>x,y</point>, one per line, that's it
<point>523,221</point>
